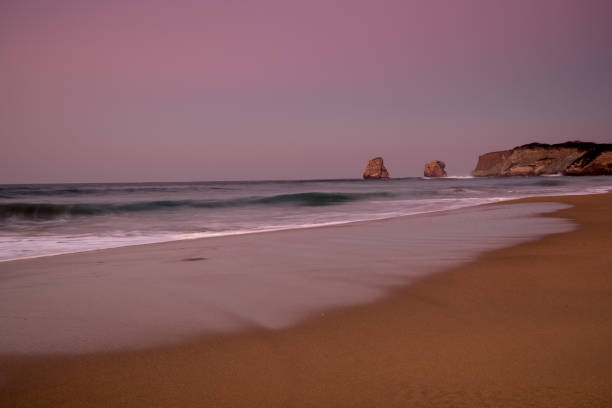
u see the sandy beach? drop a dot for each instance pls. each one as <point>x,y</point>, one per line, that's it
<point>305,204</point>
<point>528,325</point>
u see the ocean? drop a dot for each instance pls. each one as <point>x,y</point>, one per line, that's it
<point>47,219</point>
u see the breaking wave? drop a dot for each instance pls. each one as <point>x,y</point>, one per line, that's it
<point>41,211</point>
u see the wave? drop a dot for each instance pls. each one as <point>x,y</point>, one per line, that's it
<point>47,211</point>
<point>549,182</point>
<point>26,192</point>
<point>67,190</point>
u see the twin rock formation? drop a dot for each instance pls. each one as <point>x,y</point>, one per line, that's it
<point>570,159</point>
<point>375,169</point>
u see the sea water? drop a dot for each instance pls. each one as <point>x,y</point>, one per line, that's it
<point>142,296</point>
<point>47,219</point>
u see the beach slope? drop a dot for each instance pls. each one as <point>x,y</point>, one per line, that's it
<point>529,325</point>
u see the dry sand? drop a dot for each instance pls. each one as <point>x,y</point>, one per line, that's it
<point>524,326</point>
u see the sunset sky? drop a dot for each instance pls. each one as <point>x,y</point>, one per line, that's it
<point>228,90</point>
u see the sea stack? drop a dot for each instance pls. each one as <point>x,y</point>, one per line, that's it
<point>534,159</point>
<point>435,169</point>
<point>375,169</point>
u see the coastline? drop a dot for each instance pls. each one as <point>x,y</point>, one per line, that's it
<point>199,236</point>
<point>537,331</point>
<point>159,294</point>
<point>63,223</point>
<point>274,230</point>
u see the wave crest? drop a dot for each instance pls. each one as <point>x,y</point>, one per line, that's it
<point>47,211</point>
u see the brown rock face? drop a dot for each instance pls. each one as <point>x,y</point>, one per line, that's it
<point>375,169</point>
<point>570,158</point>
<point>594,164</point>
<point>490,164</point>
<point>435,169</point>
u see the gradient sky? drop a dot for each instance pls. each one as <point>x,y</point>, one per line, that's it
<point>225,90</point>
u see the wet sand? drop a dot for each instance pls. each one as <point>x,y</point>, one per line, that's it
<point>143,296</point>
<point>529,325</point>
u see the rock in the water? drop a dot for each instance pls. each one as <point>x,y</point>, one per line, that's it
<point>435,169</point>
<point>570,158</point>
<point>375,169</point>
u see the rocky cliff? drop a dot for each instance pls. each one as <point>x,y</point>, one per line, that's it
<point>375,169</point>
<point>570,158</point>
<point>435,169</point>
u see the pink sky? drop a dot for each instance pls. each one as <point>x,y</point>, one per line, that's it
<point>216,90</point>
